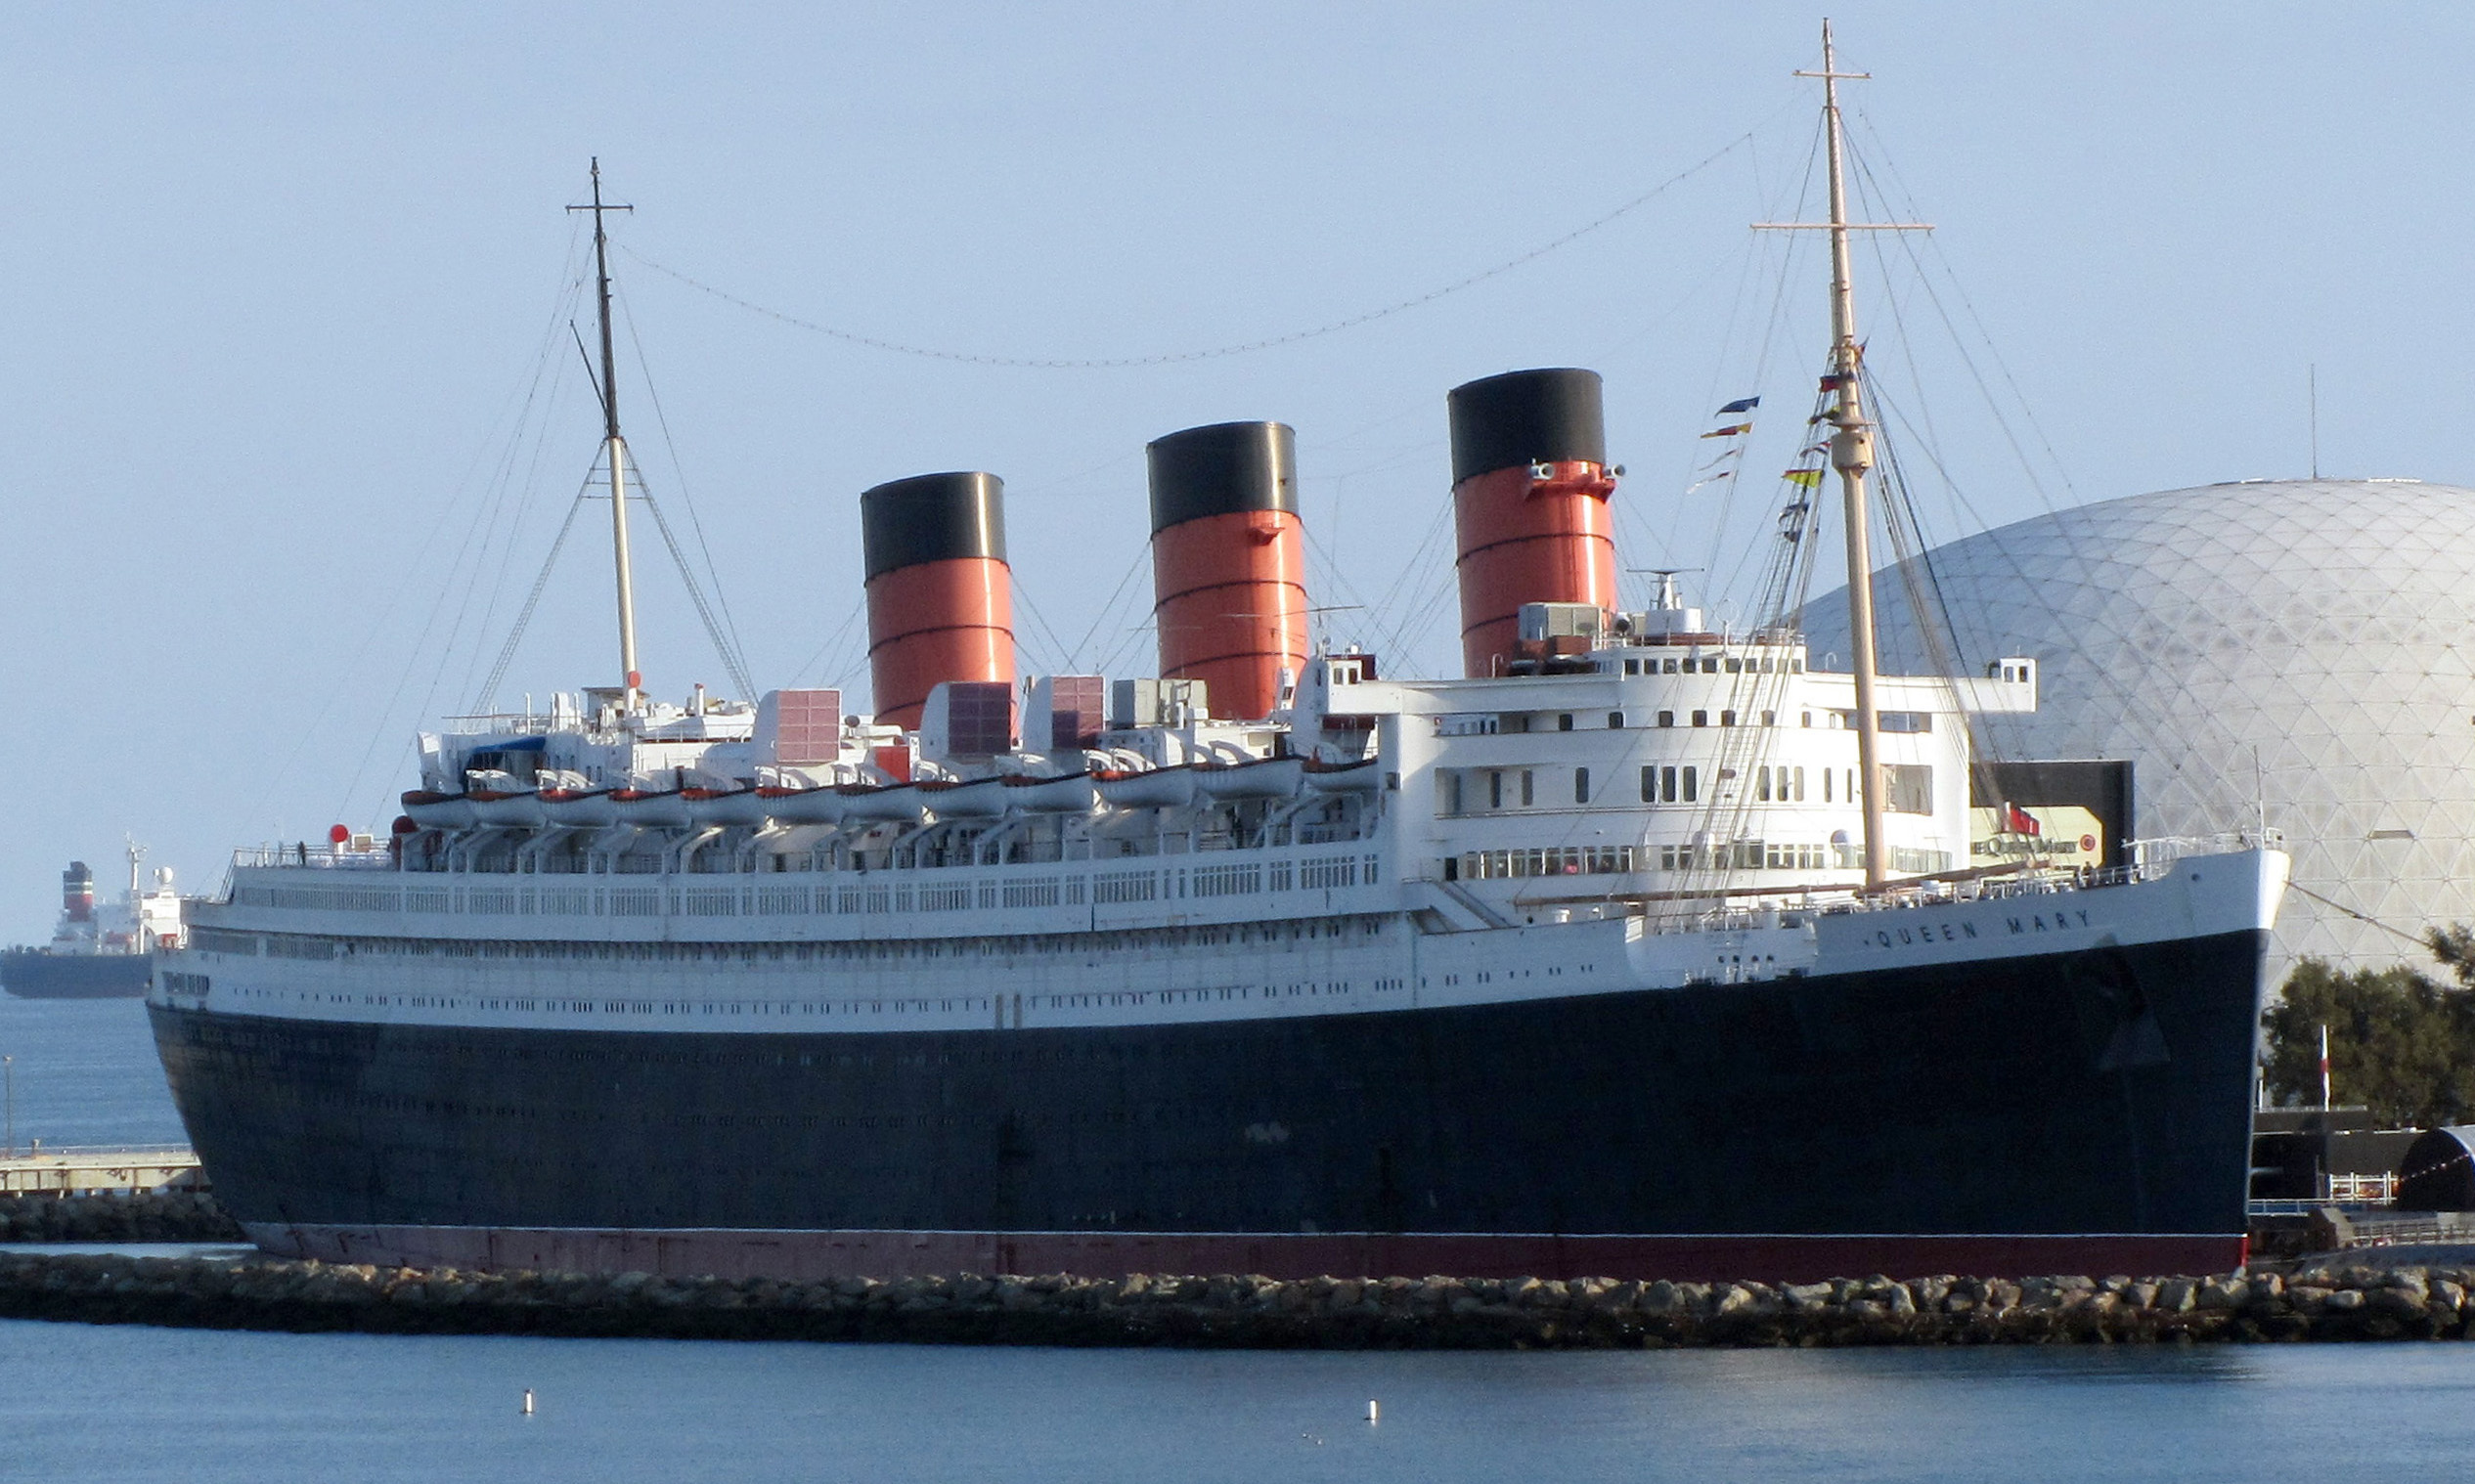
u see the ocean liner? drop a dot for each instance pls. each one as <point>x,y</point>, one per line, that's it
<point>99,953</point>
<point>1641,948</point>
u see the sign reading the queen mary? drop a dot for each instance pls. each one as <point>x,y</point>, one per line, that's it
<point>2049,834</point>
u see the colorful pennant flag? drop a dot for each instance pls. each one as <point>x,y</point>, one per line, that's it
<point>1739,405</point>
<point>1809,478</point>
<point>1729,431</point>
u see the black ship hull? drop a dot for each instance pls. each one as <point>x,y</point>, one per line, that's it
<point>2080,1111</point>
<point>31,973</point>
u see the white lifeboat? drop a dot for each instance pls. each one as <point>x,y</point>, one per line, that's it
<point>739,806</point>
<point>589,807</point>
<point>901,801</point>
<point>1072,794</point>
<point>1259,778</point>
<point>439,811</point>
<point>1361,777</point>
<point>515,811</point>
<point>980,799</point>
<point>663,810</point>
<point>802,805</point>
<point>1156,788</point>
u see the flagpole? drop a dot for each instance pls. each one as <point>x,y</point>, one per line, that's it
<point>2325,1069</point>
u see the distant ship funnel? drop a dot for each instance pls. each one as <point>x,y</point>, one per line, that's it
<point>77,892</point>
<point>940,597</point>
<point>1229,563</point>
<point>1529,504</point>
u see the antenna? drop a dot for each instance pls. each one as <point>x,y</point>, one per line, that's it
<point>615,446</point>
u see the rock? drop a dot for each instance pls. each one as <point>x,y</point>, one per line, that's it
<point>1660,1298</point>
<point>2344,1299</point>
<point>2221,1294</point>
<point>2174,1295</point>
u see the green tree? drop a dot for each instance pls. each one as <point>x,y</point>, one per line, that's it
<point>2401,1042</point>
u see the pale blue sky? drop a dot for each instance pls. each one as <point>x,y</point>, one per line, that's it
<point>278,280</point>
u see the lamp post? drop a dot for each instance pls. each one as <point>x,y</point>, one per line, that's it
<point>9,1078</point>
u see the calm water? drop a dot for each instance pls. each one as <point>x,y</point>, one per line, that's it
<point>85,1072</point>
<point>99,1404</point>
<point>96,1404</point>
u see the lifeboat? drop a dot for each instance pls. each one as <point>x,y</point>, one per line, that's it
<point>517,811</point>
<point>1360,778</point>
<point>663,810</point>
<point>901,801</point>
<point>1261,779</point>
<point>802,805</point>
<point>439,811</point>
<point>1072,794</point>
<point>980,799</point>
<point>1157,788</point>
<point>739,807</point>
<point>591,808</point>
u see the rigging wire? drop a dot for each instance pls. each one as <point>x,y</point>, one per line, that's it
<point>1215,352</point>
<point>721,592</point>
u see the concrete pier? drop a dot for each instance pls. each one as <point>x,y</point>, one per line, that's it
<point>85,1171</point>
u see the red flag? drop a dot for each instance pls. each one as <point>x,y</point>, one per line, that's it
<point>2020,821</point>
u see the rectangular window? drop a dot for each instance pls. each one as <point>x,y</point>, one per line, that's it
<point>1692,785</point>
<point>1452,792</point>
<point>1701,719</point>
<point>1808,719</point>
<point>1666,718</point>
<point>1614,721</point>
<point>1669,668</point>
<point>1826,785</point>
<point>1650,784</point>
<point>1495,790</point>
<point>1770,718</point>
<point>1528,793</point>
<point>1632,667</point>
<point>1908,788</point>
<point>1735,666</point>
<point>1564,723</point>
<point>1761,784</point>
<point>1905,720</point>
<point>1666,785</point>
<point>1727,718</point>
<point>1580,785</point>
<point>1710,666</point>
<point>1801,785</point>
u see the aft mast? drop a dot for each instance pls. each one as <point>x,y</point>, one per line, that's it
<point>616,447</point>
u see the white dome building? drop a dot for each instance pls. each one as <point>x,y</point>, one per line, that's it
<point>2306,646</point>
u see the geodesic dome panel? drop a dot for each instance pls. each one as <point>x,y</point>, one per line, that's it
<point>2300,649</point>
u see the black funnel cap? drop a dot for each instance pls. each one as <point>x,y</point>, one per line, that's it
<point>932,517</point>
<point>1220,468</point>
<point>1527,417</point>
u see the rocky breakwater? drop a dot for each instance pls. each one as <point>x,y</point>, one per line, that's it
<point>145,1216</point>
<point>1240,1311</point>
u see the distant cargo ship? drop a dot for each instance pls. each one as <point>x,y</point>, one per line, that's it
<point>1641,948</point>
<point>99,955</point>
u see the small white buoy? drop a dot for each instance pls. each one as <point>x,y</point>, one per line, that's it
<point>528,1400</point>
<point>1374,1413</point>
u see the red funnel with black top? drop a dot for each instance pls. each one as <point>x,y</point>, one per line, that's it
<point>940,597</point>
<point>1229,563</point>
<point>1529,504</point>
